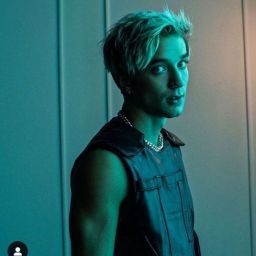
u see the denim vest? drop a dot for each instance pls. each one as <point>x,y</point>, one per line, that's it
<point>157,218</point>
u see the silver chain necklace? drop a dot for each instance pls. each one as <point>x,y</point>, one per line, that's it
<point>160,142</point>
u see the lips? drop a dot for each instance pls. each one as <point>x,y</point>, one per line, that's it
<point>175,97</point>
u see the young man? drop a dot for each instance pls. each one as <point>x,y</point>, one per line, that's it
<point>130,195</point>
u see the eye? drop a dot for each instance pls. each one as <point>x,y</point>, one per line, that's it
<point>158,69</point>
<point>183,64</point>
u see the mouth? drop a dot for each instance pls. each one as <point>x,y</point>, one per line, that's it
<point>175,97</point>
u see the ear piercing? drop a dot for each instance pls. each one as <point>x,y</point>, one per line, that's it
<point>128,90</point>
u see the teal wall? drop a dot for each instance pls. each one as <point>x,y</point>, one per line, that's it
<point>84,92</point>
<point>30,144</point>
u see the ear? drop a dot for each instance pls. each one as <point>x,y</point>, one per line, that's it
<point>125,86</point>
<point>123,82</point>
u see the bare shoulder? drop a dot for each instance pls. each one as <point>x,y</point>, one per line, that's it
<point>99,186</point>
<point>100,179</point>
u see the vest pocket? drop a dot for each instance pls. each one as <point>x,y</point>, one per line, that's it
<point>176,202</point>
<point>163,203</point>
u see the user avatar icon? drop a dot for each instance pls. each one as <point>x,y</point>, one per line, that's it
<point>17,252</point>
<point>17,248</point>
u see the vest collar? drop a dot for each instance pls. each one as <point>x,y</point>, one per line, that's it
<point>173,139</point>
<point>139,136</point>
<point>124,139</point>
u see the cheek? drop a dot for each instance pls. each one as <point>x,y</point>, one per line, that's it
<point>186,77</point>
<point>153,86</point>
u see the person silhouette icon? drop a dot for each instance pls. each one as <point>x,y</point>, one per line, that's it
<point>17,252</point>
<point>17,248</point>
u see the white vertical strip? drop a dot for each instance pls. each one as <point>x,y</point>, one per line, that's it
<point>108,76</point>
<point>63,177</point>
<point>249,14</point>
<point>109,95</point>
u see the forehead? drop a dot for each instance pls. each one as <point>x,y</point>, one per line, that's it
<point>172,47</point>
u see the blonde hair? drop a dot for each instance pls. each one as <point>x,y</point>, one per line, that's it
<point>133,41</point>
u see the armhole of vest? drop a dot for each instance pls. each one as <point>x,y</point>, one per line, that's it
<point>107,147</point>
<point>119,154</point>
<point>132,195</point>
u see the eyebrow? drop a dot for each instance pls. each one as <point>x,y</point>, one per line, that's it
<point>186,55</point>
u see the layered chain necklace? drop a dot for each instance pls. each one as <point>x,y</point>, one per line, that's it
<point>160,141</point>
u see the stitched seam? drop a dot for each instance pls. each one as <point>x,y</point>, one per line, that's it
<point>183,212</point>
<point>151,246</point>
<point>164,217</point>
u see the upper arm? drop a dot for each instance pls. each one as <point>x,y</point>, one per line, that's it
<point>99,186</point>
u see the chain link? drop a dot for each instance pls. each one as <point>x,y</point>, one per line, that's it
<point>160,141</point>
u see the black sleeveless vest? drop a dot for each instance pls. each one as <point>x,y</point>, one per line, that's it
<point>158,217</point>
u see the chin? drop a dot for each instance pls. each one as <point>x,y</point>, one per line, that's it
<point>174,113</point>
<point>174,110</point>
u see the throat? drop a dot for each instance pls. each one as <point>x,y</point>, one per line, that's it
<point>150,126</point>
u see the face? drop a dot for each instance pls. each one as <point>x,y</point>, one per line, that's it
<point>160,89</point>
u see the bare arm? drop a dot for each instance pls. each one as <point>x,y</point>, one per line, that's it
<point>99,188</point>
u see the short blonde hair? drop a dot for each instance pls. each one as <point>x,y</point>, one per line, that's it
<point>133,41</point>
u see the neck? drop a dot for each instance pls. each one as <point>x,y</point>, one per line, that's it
<point>147,124</point>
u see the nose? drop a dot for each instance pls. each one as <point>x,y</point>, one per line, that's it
<point>174,79</point>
